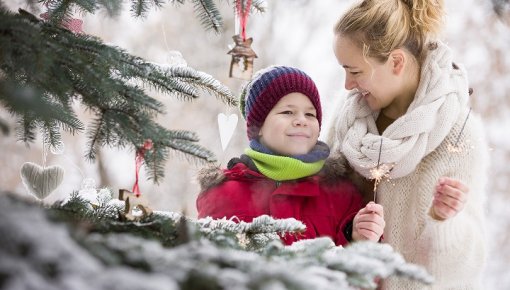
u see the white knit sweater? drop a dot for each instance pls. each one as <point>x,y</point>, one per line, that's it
<point>453,251</point>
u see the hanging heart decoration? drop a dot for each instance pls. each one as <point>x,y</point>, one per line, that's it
<point>40,181</point>
<point>227,125</point>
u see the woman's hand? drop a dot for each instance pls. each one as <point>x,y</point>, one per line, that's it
<point>449,199</point>
<point>368,224</point>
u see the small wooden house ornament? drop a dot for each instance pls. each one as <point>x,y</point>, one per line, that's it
<point>241,66</point>
<point>133,202</point>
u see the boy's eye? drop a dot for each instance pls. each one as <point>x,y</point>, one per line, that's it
<point>310,115</point>
<point>286,112</point>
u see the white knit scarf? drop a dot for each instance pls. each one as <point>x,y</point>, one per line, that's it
<point>440,97</point>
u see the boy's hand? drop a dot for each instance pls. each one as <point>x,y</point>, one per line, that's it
<point>449,199</point>
<point>368,224</point>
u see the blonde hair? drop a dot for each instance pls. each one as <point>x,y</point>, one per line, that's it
<point>380,26</point>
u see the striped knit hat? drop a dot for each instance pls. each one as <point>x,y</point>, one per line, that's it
<point>267,87</point>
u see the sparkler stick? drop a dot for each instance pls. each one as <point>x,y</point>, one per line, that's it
<point>454,148</point>
<point>376,172</point>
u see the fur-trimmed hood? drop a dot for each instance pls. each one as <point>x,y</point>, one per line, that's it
<point>334,168</point>
<point>210,176</point>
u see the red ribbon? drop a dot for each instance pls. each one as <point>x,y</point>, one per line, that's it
<point>243,15</point>
<point>140,155</point>
<point>73,24</point>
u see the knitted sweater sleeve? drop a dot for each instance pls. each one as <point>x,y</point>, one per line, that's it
<point>454,250</point>
<point>467,161</point>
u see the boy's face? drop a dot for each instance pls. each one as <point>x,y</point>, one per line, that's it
<point>291,127</point>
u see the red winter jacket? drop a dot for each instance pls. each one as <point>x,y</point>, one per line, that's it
<point>324,207</point>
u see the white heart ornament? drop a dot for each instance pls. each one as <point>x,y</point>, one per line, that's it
<point>227,125</point>
<point>41,181</point>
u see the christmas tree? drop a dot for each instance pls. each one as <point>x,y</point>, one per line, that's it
<point>45,68</point>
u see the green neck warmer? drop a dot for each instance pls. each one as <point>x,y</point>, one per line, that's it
<point>282,168</point>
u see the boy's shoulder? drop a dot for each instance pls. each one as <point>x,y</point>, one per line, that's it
<point>210,176</point>
<point>240,169</point>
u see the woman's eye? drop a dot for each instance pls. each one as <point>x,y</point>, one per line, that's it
<point>354,73</point>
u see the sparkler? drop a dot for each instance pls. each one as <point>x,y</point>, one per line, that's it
<point>455,148</point>
<point>379,172</point>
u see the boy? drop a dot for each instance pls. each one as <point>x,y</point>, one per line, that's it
<point>285,173</point>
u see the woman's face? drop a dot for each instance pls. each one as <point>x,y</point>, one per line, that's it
<point>376,81</point>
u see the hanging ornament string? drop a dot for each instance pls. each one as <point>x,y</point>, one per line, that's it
<point>44,153</point>
<point>140,155</point>
<point>243,9</point>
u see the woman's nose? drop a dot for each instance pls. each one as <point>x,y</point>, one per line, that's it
<point>350,84</point>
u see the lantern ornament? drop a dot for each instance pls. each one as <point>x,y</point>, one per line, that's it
<point>241,66</point>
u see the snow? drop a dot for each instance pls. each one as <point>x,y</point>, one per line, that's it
<point>39,253</point>
<point>297,33</point>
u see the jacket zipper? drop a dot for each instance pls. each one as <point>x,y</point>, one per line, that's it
<point>278,183</point>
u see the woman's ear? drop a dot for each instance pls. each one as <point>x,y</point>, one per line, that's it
<point>397,60</point>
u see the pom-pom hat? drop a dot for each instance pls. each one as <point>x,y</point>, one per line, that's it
<point>267,87</point>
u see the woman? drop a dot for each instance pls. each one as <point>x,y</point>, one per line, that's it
<point>408,113</point>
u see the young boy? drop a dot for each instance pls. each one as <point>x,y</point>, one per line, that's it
<point>285,173</point>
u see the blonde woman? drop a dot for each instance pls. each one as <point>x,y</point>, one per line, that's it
<point>408,109</point>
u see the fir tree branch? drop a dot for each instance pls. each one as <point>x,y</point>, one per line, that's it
<point>4,127</point>
<point>204,81</point>
<point>183,135</point>
<point>151,248</point>
<point>112,7</point>
<point>47,68</point>
<point>191,149</point>
<point>139,7</point>
<point>209,15</point>
<point>258,6</point>
<point>260,225</point>
<point>60,11</point>
<point>27,127</point>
